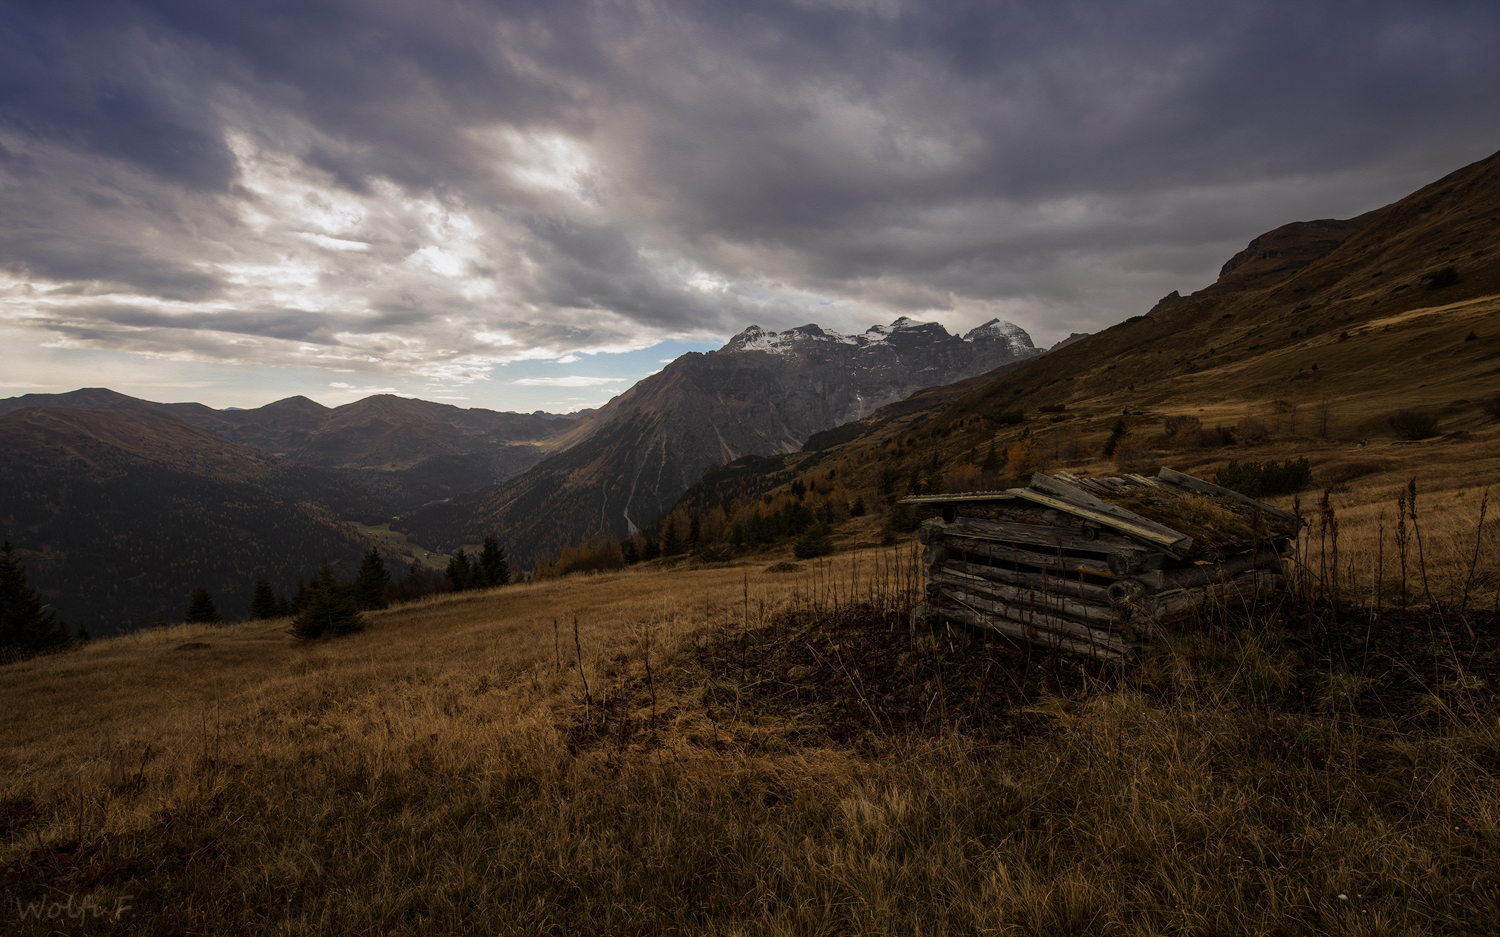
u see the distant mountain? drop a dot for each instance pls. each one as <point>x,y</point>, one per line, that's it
<point>118,512</point>
<point>405,451</point>
<point>764,392</point>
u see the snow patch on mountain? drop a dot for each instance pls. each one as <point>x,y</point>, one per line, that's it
<point>755,338</point>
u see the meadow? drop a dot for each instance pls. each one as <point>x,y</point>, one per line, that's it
<point>763,747</point>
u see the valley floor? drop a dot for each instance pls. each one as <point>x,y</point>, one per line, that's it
<point>726,749</point>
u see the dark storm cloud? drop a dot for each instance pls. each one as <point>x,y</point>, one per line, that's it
<point>468,181</point>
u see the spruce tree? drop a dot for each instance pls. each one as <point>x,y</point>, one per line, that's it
<point>262,600</point>
<point>458,571</point>
<point>695,533</point>
<point>201,610</point>
<point>492,561</point>
<point>299,596</point>
<point>1116,433</point>
<point>670,544</point>
<point>27,628</point>
<point>329,607</point>
<point>629,553</point>
<point>369,585</point>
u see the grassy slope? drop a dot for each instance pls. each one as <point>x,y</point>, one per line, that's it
<point>445,772</point>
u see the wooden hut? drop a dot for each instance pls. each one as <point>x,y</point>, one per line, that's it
<point>1094,565</point>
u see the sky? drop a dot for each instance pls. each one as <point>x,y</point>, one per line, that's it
<point>531,205</point>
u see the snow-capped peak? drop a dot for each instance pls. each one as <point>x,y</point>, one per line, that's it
<point>997,330</point>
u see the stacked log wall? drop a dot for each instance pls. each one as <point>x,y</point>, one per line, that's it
<point>1070,579</point>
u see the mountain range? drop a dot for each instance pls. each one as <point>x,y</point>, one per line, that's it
<point>763,393</point>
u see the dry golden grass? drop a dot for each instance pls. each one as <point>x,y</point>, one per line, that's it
<point>426,776</point>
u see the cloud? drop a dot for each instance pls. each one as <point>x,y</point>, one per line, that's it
<point>570,381</point>
<point>403,191</point>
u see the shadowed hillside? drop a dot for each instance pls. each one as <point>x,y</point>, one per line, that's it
<point>404,451</point>
<point>118,513</point>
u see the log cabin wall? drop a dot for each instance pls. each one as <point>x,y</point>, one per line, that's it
<point>1094,565</point>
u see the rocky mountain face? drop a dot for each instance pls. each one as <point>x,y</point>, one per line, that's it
<point>763,393</point>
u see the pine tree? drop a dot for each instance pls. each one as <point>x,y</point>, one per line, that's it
<point>369,585</point>
<point>492,560</point>
<point>262,600</point>
<point>629,553</point>
<point>328,608</point>
<point>670,545</point>
<point>458,571</point>
<point>991,461</point>
<point>27,628</point>
<point>1116,433</point>
<point>695,533</point>
<point>201,610</point>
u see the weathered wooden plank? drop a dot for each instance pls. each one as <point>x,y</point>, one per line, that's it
<point>1022,599</point>
<point>1083,499</point>
<point>1008,494</point>
<point>1028,633</point>
<point>1041,536</point>
<point>1131,562</point>
<point>1046,584</point>
<point>1017,554</point>
<point>1175,603</point>
<point>1209,488</point>
<point>1040,628</point>
<point>1188,577</point>
<point>1118,519</point>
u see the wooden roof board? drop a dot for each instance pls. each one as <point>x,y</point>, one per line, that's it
<point>1173,512</point>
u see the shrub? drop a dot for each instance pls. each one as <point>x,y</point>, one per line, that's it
<point>719,553</point>
<point>1491,407</point>
<point>1251,430</point>
<point>815,541</point>
<point>1440,278</point>
<point>1182,430</point>
<point>1007,417</point>
<point>1264,479</point>
<point>1133,456</point>
<point>1053,408</point>
<point>1413,425</point>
